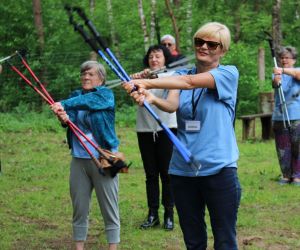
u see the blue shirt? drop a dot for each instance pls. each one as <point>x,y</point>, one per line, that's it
<point>84,123</point>
<point>214,146</point>
<point>291,92</point>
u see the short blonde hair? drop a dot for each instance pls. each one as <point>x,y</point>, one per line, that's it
<point>215,30</point>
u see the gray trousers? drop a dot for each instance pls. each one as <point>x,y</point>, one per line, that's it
<point>84,177</point>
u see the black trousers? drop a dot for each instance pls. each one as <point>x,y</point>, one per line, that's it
<point>156,151</point>
<point>221,194</point>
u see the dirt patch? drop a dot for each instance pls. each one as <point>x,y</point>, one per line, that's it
<point>41,224</point>
<point>64,243</point>
<point>260,242</point>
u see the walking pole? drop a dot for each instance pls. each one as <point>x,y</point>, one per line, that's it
<point>7,58</point>
<point>121,73</point>
<point>116,164</point>
<point>283,105</point>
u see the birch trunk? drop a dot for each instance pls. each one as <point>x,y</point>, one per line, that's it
<point>93,54</point>
<point>152,23</point>
<point>189,29</point>
<point>143,24</point>
<point>92,6</point>
<point>113,36</point>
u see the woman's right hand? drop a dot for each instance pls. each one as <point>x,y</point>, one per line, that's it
<point>62,116</point>
<point>141,75</point>
<point>277,76</point>
<point>134,85</point>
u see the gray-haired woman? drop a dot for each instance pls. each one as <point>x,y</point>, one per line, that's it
<point>288,140</point>
<point>92,109</point>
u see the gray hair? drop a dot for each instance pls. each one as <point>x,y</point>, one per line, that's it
<point>94,64</point>
<point>288,50</point>
<point>168,37</point>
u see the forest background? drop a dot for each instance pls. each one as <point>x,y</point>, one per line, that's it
<point>55,51</point>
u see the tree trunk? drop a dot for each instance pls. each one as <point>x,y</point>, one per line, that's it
<point>38,22</point>
<point>93,54</point>
<point>92,6</point>
<point>276,26</point>
<point>168,4</point>
<point>261,65</point>
<point>152,23</point>
<point>237,27</point>
<point>113,36</point>
<point>143,24</point>
<point>189,29</point>
<point>176,2</point>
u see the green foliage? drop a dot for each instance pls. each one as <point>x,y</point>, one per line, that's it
<point>58,64</point>
<point>23,119</point>
<point>126,116</point>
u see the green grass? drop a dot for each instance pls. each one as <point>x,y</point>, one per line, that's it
<point>35,208</point>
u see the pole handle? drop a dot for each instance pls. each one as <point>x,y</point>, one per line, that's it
<point>87,39</point>
<point>98,165</point>
<point>271,44</point>
<point>91,27</point>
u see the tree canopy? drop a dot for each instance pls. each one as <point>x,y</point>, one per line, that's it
<point>57,62</point>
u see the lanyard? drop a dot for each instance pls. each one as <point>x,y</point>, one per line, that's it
<point>195,103</point>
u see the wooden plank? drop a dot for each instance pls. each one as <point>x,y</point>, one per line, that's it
<point>249,125</point>
<point>255,116</point>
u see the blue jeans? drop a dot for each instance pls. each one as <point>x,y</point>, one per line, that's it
<point>221,195</point>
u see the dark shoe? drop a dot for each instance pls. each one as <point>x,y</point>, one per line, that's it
<point>169,223</point>
<point>151,221</point>
<point>296,183</point>
<point>283,181</point>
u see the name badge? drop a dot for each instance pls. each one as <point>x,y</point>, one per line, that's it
<point>192,126</point>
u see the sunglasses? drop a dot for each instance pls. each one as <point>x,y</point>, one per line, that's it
<point>167,44</point>
<point>211,45</point>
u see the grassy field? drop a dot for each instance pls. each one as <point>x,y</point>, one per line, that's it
<point>35,208</point>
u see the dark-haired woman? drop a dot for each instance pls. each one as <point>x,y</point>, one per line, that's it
<point>155,147</point>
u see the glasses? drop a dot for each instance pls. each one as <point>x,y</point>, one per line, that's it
<point>285,58</point>
<point>211,45</point>
<point>167,44</point>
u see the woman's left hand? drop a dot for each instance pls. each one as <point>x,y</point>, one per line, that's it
<point>143,95</point>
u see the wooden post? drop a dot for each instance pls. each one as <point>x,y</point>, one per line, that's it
<point>261,65</point>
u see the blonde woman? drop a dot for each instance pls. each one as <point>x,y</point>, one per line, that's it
<point>205,113</point>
